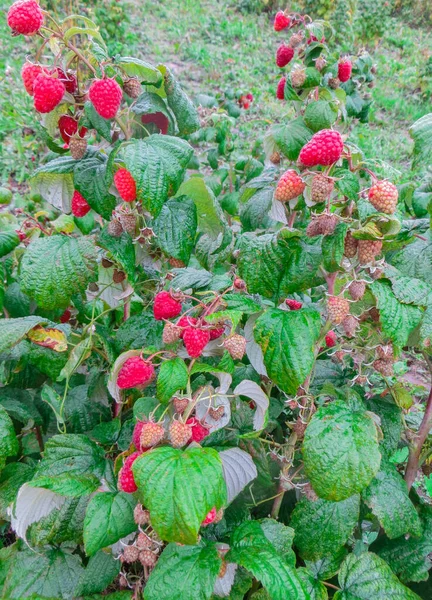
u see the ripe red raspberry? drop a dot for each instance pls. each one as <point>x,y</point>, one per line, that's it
<point>321,188</point>
<point>236,346</point>
<point>337,309</point>
<point>281,21</point>
<point>106,96</point>
<point>186,321</point>
<point>216,332</point>
<point>357,289</point>
<point>80,207</point>
<point>48,92</point>
<point>165,306</point>
<point>69,80</point>
<point>331,339</point>
<point>29,72</point>
<point>368,250</point>
<point>210,517</point>
<point>158,119</point>
<point>289,186</point>
<point>171,333</point>
<point>180,433</point>
<point>280,90</point>
<point>151,434</point>
<point>68,126</point>
<point>135,372</point>
<point>199,432</point>
<point>195,340</point>
<point>383,196</point>
<point>284,55</point>
<point>65,318</point>
<point>325,148</point>
<point>25,17</point>
<point>126,481</point>
<point>125,185</point>
<point>344,69</point>
<point>136,437</point>
<point>293,304</point>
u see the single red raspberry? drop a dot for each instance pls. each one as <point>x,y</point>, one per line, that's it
<point>126,481</point>
<point>158,119</point>
<point>199,432</point>
<point>48,93</point>
<point>331,339</point>
<point>250,97</point>
<point>125,185</point>
<point>281,21</point>
<point>65,318</point>
<point>180,433</point>
<point>29,72</point>
<point>69,80</point>
<point>325,148</point>
<point>293,304</point>
<point>135,372</point>
<point>289,186</point>
<point>186,321</point>
<point>80,206</point>
<point>25,17</point>
<point>210,517</point>
<point>383,196</point>
<point>216,332</point>
<point>337,309</point>
<point>165,306</point>
<point>280,90</point>
<point>68,126</point>
<point>151,434</point>
<point>137,434</point>
<point>344,69</point>
<point>284,55</point>
<point>195,340</point>
<point>106,96</point>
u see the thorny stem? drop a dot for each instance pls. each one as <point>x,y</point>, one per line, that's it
<point>422,434</point>
<point>283,482</point>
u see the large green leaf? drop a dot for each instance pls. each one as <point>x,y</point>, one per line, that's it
<point>179,489</point>
<point>12,331</point>
<point>101,570</point>
<point>109,518</point>
<point>415,260</point>
<point>158,164</point>
<point>176,227</point>
<point>333,247</point>
<point>340,450</point>
<point>183,573</point>
<point>391,420</point>
<point>12,477</point>
<point>290,137</point>
<point>63,524</point>
<point>92,179</point>
<point>173,376</point>
<point>71,454</point>
<point>183,108</point>
<point>409,557</point>
<point>347,183</point>
<point>398,320</point>
<point>253,551</point>
<point>52,283</point>
<point>367,576</point>
<point>421,133</point>
<point>210,217</point>
<point>314,587</point>
<point>323,527</point>
<point>135,67</point>
<point>288,340</point>
<point>40,576</point>
<point>319,115</point>
<point>122,250</point>
<point>8,442</point>
<point>387,497</point>
<point>8,241</point>
<point>102,126</point>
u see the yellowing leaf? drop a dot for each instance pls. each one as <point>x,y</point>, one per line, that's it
<point>48,338</point>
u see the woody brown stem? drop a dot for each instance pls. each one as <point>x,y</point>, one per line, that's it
<point>416,448</point>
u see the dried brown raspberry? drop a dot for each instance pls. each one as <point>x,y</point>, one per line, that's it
<point>176,263</point>
<point>180,433</point>
<point>321,188</point>
<point>320,63</point>
<point>115,228</point>
<point>217,413</point>
<point>385,352</point>
<point>77,147</point>
<point>322,225</point>
<point>130,554</point>
<point>357,289</point>
<point>310,492</point>
<point>107,263</point>
<point>299,428</point>
<point>118,276</point>
<point>132,87</point>
<point>275,158</point>
<point>141,515</point>
<point>350,325</point>
<point>171,333</point>
<point>236,346</point>
<point>351,244</point>
<point>180,404</point>
<point>127,219</point>
<point>334,83</point>
<point>298,77</point>
<point>148,558</point>
<point>368,250</point>
<point>337,309</point>
<point>296,39</point>
<point>384,366</point>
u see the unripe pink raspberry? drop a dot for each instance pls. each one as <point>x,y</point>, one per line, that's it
<point>383,196</point>
<point>165,306</point>
<point>125,185</point>
<point>289,186</point>
<point>80,207</point>
<point>325,148</point>
<point>135,372</point>
<point>126,481</point>
<point>337,309</point>
<point>151,434</point>
<point>331,339</point>
<point>25,17</point>
<point>48,92</point>
<point>106,96</point>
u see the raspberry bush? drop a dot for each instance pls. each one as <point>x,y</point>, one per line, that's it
<point>212,385</point>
